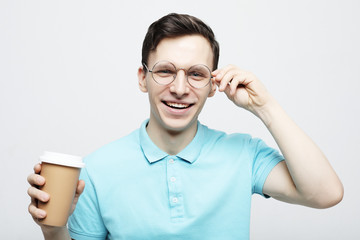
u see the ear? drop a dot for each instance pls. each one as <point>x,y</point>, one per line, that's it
<point>142,79</point>
<point>213,87</point>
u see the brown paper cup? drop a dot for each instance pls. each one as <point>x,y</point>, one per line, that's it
<point>61,173</point>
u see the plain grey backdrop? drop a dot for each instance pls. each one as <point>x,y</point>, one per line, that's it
<point>68,83</point>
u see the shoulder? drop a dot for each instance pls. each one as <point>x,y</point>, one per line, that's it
<point>226,138</point>
<point>235,143</point>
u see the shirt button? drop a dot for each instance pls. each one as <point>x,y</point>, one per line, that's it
<point>171,161</point>
<point>175,200</point>
<point>172,179</point>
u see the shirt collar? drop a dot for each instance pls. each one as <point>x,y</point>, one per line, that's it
<point>153,153</point>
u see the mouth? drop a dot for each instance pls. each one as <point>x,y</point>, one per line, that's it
<point>177,105</point>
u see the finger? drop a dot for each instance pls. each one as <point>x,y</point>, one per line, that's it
<point>36,180</point>
<point>36,213</point>
<point>37,168</point>
<point>238,82</point>
<point>228,94</point>
<point>37,194</point>
<point>33,209</point>
<point>215,72</point>
<point>228,77</point>
<point>219,73</point>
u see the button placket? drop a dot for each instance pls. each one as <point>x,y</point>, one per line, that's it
<point>174,189</point>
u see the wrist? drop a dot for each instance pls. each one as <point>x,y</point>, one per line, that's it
<point>52,232</point>
<point>268,112</point>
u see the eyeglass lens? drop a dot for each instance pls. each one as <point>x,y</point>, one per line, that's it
<point>165,72</point>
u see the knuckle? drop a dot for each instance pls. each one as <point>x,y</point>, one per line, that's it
<point>29,179</point>
<point>30,191</point>
<point>31,209</point>
<point>34,193</point>
<point>33,179</point>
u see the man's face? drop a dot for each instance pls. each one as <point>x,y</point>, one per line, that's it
<point>176,107</point>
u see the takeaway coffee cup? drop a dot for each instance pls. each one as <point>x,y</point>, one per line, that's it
<point>61,173</point>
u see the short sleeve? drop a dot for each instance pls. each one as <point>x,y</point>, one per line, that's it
<point>86,222</point>
<point>265,159</point>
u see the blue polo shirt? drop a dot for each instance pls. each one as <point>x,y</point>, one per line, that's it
<point>136,191</point>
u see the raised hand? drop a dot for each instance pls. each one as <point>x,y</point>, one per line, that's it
<point>242,87</point>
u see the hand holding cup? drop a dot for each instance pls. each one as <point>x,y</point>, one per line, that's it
<point>55,192</point>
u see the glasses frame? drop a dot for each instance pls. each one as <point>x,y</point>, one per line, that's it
<point>175,75</point>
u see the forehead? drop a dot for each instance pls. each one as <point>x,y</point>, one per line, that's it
<point>183,51</point>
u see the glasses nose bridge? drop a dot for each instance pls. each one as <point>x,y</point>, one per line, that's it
<point>180,84</point>
<point>179,69</point>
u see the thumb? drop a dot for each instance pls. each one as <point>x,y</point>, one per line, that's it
<point>80,188</point>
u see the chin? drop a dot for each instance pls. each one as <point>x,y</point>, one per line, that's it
<point>178,125</point>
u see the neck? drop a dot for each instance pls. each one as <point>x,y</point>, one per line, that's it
<point>169,140</point>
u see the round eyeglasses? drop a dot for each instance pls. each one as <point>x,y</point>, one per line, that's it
<point>164,73</point>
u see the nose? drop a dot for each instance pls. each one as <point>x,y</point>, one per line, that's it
<point>180,86</point>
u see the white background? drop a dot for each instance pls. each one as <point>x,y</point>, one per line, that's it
<point>68,84</point>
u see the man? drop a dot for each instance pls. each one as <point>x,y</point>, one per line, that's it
<point>174,178</point>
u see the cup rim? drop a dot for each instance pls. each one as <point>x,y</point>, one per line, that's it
<point>62,159</point>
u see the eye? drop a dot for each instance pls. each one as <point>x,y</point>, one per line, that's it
<point>199,73</point>
<point>164,72</point>
<point>196,74</point>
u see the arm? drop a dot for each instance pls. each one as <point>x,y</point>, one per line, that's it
<point>306,177</point>
<point>35,180</point>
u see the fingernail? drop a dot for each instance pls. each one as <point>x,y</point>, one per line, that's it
<point>40,180</point>
<point>44,197</point>
<point>42,213</point>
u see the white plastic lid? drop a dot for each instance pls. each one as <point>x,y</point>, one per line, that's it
<point>62,159</point>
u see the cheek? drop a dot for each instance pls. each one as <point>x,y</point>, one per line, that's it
<point>154,93</point>
<point>203,95</point>
<point>151,97</point>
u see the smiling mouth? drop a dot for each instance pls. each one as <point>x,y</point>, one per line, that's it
<point>177,105</point>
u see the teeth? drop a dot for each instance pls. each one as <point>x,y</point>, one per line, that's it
<point>177,105</point>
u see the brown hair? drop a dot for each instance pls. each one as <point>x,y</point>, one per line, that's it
<point>176,25</point>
